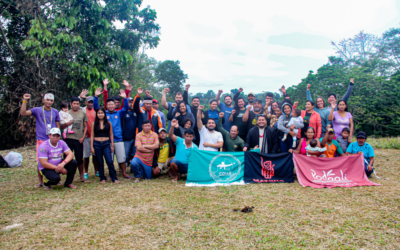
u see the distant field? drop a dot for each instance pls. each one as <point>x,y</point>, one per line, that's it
<point>159,214</point>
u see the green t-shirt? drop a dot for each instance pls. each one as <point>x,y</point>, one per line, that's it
<point>230,145</point>
<point>77,126</point>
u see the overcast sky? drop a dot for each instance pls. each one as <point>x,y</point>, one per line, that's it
<point>260,45</point>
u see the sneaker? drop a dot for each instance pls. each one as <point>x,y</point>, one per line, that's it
<point>97,174</point>
<point>86,175</point>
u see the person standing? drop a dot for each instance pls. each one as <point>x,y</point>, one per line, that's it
<point>129,120</point>
<point>310,119</point>
<point>102,144</point>
<point>181,114</point>
<point>210,139</point>
<point>225,107</point>
<point>75,140</point>
<point>236,118</point>
<point>156,106</point>
<point>46,119</point>
<point>169,105</point>
<point>195,105</point>
<point>146,142</point>
<point>232,141</point>
<point>115,118</point>
<point>147,113</point>
<point>91,115</point>
<point>250,116</point>
<point>117,99</point>
<point>341,119</point>
<point>51,163</point>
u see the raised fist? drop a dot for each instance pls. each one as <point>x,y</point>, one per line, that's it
<point>140,91</point>
<point>308,86</point>
<point>26,97</point>
<point>177,114</point>
<point>296,104</point>
<point>166,90</point>
<point>174,122</point>
<point>201,107</point>
<point>187,86</point>
<point>220,91</point>
<point>233,111</point>
<point>221,114</point>
<point>240,90</point>
<point>147,92</point>
<point>174,105</point>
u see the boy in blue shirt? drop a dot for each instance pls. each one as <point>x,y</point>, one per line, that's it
<point>362,147</point>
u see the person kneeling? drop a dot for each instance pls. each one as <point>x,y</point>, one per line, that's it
<point>164,154</point>
<point>146,142</point>
<point>183,147</point>
<point>362,147</point>
<point>51,164</point>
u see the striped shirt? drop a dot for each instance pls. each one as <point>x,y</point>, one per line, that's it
<point>143,139</point>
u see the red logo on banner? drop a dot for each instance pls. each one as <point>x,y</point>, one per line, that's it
<point>267,169</point>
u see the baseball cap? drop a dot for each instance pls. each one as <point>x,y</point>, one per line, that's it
<point>154,100</point>
<point>129,99</point>
<point>89,98</point>
<point>331,130</point>
<point>362,134</point>
<point>251,93</point>
<point>54,131</point>
<point>162,129</point>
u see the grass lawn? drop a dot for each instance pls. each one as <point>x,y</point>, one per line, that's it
<point>159,214</point>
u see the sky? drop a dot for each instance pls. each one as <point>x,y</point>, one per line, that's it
<point>260,45</point>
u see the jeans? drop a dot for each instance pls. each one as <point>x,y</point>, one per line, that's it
<point>140,169</point>
<point>366,169</point>
<point>51,177</point>
<point>103,148</point>
<point>182,168</point>
<point>287,144</point>
<point>130,149</point>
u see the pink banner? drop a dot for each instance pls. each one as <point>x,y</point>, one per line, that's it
<point>319,172</point>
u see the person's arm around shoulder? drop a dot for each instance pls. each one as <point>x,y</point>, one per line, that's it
<point>23,110</point>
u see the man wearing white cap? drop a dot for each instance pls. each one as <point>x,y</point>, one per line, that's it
<point>46,119</point>
<point>51,163</point>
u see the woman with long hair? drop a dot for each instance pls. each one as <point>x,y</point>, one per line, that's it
<point>304,142</point>
<point>341,119</point>
<point>310,119</point>
<point>102,144</point>
<point>181,114</point>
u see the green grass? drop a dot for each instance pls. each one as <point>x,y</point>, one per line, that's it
<point>159,214</point>
<point>385,143</point>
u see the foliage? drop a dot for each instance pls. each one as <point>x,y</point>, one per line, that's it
<point>170,74</point>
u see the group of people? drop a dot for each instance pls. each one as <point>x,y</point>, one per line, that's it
<point>134,130</point>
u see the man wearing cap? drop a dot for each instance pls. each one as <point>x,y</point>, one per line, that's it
<point>362,147</point>
<point>91,115</point>
<point>51,163</point>
<point>156,106</point>
<point>169,105</point>
<point>114,117</point>
<point>116,98</point>
<point>333,147</point>
<point>147,113</point>
<point>128,124</point>
<point>75,140</point>
<point>164,154</point>
<point>180,164</point>
<point>46,119</point>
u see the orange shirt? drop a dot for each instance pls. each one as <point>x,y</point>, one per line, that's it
<point>143,139</point>
<point>91,115</point>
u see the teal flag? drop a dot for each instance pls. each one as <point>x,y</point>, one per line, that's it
<point>211,169</point>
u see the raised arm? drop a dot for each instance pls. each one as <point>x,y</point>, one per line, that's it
<point>23,110</point>
<point>308,95</point>
<point>219,125</point>
<point>105,91</point>
<point>171,114</point>
<point>164,98</point>
<point>325,139</point>
<point>231,116</point>
<point>219,96</point>
<point>186,94</point>
<point>349,89</point>
<point>331,116</point>
<point>122,94</point>
<point>245,117</point>
<point>97,93</point>
<point>199,122</point>
<point>174,124</point>
<point>236,96</point>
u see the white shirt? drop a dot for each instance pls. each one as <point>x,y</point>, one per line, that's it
<point>206,136</point>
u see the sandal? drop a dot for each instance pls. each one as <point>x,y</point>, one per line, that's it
<point>85,181</point>
<point>38,186</point>
<point>128,177</point>
<point>46,188</point>
<point>59,184</point>
<point>71,186</point>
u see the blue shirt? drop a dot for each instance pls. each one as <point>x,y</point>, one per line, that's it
<point>182,152</point>
<point>189,110</point>
<point>114,118</point>
<point>227,112</point>
<point>213,115</point>
<point>366,149</point>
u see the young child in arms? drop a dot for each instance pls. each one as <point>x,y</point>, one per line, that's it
<point>313,147</point>
<point>65,117</point>
<point>296,119</point>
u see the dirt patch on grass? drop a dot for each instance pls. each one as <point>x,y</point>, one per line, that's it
<point>160,214</point>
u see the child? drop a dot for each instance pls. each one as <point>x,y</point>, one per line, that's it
<point>65,117</point>
<point>343,139</point>
<point>313,147</point>
<point>296,119</point>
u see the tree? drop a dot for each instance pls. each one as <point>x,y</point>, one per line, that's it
<point>169,74</point>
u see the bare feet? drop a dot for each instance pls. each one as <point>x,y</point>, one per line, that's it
<point>103,181</point>
<point>38,185</point>
<point>116,181</point>
<point>175,180</point>
<point>137,180</point>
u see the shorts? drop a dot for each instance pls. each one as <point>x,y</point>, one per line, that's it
<point>86,148</point>
<point>182,168</point>
<point>119,151</point>
<point>77,148</point>
<point>163,166</point>
<point>38,142</point>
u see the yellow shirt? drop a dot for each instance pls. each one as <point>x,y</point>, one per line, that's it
<point>164,153</point>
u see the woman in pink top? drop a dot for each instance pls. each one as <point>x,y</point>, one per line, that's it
<point>341,119</point>
<point>304,142</point>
